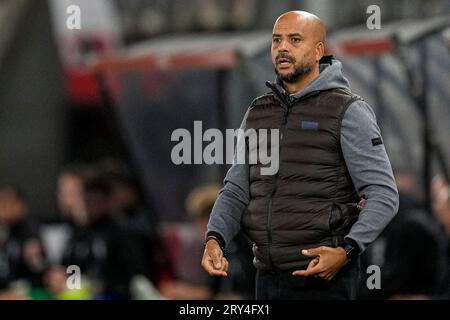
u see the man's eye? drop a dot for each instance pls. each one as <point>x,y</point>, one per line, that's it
<point>276,40</point>
<point>296,40</point>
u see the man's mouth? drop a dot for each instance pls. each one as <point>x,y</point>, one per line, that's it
<point>284,62</point>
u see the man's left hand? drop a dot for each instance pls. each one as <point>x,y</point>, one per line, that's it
<point>327,264</point>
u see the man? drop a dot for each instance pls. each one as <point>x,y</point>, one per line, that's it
<point>304,221</point>
<point>440,191</point>
<point>22,255</point>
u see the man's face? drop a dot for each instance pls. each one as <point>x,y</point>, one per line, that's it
<point>12,207</point>
<point>293,49</point>
<point>69,193</point>
<point>97,204</point>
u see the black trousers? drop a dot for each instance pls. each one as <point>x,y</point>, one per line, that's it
<point>284,286</point>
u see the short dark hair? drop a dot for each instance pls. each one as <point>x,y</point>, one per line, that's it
<point>15,189</point>
<point>77,169</point>
<point>99,183</point>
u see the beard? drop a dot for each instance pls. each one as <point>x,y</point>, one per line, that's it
<point>300,71</point>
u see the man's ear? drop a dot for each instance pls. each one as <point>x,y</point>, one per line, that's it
<point>320,50</point>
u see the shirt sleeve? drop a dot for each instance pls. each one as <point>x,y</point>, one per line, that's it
<point>225,218</point>
<point>371,172</point>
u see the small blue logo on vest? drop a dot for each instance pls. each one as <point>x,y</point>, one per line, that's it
<point>310,125</point>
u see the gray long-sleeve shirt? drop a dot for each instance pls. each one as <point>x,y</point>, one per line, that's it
<point>367,163</point>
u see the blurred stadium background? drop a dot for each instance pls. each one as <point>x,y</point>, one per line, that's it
<point>100,104</point>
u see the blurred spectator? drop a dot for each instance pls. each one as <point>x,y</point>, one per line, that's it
<point>194,283</point>
<point>76,247</point>
<point>22,258</point>
<point>71,205</point>
<point>70,194</point>
<point>411,252</point>
<point>240,281</point>
<point>440,192</point>
<point>441,202</point>
<point>87,247</point>
<point>113,238</point>
<point>136,248</point>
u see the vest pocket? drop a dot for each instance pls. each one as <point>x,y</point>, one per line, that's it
<point>342,217</point>
<point>336,218</point>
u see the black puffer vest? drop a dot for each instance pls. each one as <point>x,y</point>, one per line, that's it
<point>311,201</point>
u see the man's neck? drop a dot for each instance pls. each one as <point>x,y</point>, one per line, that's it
<point>301,84</point>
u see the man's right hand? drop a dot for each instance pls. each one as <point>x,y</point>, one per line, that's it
<point>213,260</point>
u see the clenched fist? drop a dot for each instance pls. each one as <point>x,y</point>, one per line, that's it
<point>213,260</point>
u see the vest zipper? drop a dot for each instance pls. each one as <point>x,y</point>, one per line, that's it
<point>270,209</point>
<point>289,102</point>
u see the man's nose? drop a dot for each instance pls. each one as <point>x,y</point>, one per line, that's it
<point>283,46</point>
